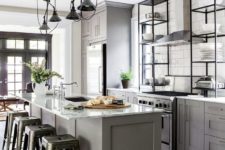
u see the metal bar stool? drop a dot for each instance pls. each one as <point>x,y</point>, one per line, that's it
<point>9,125</point>
<point>60,142</point>
<point>33,135</point>
<point>19,127</point>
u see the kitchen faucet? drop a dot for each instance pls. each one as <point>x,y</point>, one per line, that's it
<point>62,88</point>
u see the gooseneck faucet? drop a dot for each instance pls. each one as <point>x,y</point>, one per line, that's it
<point>62,88</point>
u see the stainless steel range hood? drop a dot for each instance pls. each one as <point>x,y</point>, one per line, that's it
<point>182,23</point>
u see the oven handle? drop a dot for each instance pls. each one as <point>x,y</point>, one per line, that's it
<point>164,116</point>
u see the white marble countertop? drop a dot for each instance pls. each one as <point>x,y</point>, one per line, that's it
<point>220,100</point>
<point>55,106</point>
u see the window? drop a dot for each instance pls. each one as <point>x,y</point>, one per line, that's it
<point>14,44</point>
<point>14,74</point>
<point>37,45</point>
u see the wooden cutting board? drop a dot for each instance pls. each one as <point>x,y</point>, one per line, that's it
<point>112,106</point>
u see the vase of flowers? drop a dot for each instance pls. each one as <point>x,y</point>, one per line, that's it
<point>39,76</point>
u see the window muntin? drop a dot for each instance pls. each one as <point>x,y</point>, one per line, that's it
<point>15,44</point>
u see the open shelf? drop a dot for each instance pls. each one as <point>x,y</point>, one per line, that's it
<point>156,64</point>
<point>208,35</point>
<point>155,20</point>
<point>199,62</point>
<point>209,8</point>
<point>208,89</point>
<point>150,2</point>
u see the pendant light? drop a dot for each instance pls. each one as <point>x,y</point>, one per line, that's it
<point>54,18</point>
<point>86,7</point>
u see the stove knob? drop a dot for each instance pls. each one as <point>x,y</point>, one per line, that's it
<point>160,104</point>
<point>164,105</point>
<point>156,105</point>
<point>149,103</point>
<point>140,102</point>
<point>144,102</point>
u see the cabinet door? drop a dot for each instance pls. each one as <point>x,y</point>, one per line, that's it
<point>215,125</point>
<point>194,125</point>
<point>94,26</point>
<point>131,97</point>
<point>213,143</point>
<point>117,94</point>
<point>85,28</point>
<point>85,43</point>
<point>102,27</point>
<point>180,124</point>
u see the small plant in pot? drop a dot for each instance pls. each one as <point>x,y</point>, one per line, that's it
<point>125,78</point>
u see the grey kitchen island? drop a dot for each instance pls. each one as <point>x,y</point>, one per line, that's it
<point>133,128</point>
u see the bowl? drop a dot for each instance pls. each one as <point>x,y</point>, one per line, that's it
<point>147,36</point>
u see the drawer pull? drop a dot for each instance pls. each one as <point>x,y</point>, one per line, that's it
<point>222,142</point>
<point>221,109</point>
<point>222,118</point>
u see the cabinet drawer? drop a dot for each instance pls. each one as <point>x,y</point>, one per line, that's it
<point>213,143</point>
<point>217,109</point>
<point>117,94</point>
<point>215,125</point>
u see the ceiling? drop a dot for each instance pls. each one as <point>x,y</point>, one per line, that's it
<point>62,5</point>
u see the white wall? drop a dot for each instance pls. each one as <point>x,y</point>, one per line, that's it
<point>65,43</point>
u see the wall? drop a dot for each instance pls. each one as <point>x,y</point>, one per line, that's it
<point>65,43</point>
<point>180,55</point>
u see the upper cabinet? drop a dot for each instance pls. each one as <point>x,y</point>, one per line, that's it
<point>98,26</point>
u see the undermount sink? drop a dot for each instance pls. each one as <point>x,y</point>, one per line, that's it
<point>77,99</point>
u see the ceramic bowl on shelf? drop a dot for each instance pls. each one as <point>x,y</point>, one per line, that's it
<point>147,36</point>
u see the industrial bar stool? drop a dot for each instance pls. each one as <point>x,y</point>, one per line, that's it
<point>19,128</point>
<point>60,142</point>
<point>9,125</point>
<point>33,135</point>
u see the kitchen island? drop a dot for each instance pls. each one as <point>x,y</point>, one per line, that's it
<point>133,128</point>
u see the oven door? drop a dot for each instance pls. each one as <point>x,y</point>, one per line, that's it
<point>166,131</point>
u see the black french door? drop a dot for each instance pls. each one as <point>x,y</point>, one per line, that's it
<point>15,49</point>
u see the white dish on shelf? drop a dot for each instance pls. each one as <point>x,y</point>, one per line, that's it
<point>147,36</point>
<point>209,28</point>
<point>209,46</point>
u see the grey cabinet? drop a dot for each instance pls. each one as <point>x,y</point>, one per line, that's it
<point>190,125</point>
<point>85,28</point>
<point>213,143</point>
<point>128,96</point>
<point>214,126</point>
<point>98,27</point>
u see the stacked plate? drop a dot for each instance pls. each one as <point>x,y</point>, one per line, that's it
<point>207,52</point>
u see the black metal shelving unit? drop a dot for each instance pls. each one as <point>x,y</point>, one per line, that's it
<point>206,10</point>
<point>142,44</point>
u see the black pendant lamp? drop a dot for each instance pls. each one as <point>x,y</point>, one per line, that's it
<point>73,15</point>
<point>44,26</point>
<point>87,5</point>
<point>55,17</point>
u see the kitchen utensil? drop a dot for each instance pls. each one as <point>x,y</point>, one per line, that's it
<point>147,36</point>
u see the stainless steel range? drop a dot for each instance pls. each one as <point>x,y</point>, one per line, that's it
<point>167,101</point>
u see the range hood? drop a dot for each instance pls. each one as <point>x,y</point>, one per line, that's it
<point>182,24</point>
<point>177,38</point>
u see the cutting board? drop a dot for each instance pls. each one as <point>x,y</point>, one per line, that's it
<point>112,106</point>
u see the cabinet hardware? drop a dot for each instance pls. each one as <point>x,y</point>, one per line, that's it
<point>222,119</point>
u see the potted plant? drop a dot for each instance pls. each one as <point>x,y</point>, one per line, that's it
<point>40,75</point>
<point>125,78</point>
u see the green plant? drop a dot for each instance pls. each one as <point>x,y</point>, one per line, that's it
<point>39,73</point>
<point>126,75</point>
